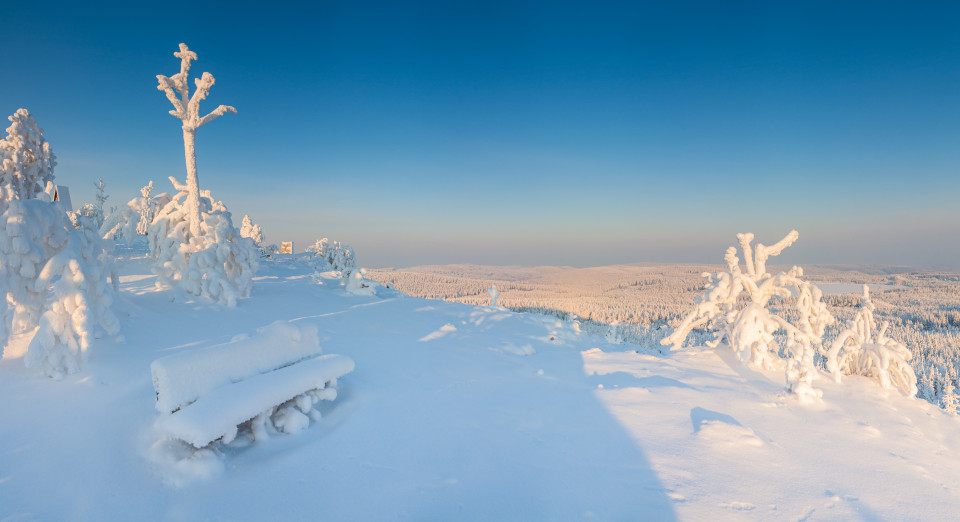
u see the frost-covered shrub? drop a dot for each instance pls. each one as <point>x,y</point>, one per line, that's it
<point>749,328</point>
<point>217,264</point>
<point>50,269</point>
<point>861,350</point>
<point>340,258</point>
<point>134,219</point>
<point>334,256</point>
<point>250,229</point>
<point>54,276</point>
<point>31,232</point>
<point>77,307</point>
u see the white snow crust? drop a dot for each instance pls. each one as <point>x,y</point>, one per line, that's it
<point>218,413</point>
<point>182,378</point>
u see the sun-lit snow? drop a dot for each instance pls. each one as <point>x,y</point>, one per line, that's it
<point>506,416</point>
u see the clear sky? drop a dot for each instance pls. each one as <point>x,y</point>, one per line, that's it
<point>522,132</point>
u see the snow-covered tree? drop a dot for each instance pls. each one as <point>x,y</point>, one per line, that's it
<point>861,350</point>
<point>53,274</point>
<point>26,159</point>
<point>249,229</point>
<point>340,258</point>
<point>133,219</point>
<point>951,403</point>
<point>100,197</point>
<point>737,301</point>
<point>187,109</point>
<point>77,307</point>
<point>319,247</point>
<point>494,294</point>
<point>197,248</point>
<point>216,264</point>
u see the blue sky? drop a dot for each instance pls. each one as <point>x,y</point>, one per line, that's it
<point>523,132</point>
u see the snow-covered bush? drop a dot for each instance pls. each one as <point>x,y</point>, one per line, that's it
<point>250,229</point>
<point>861,350</point>
<point>494,294</point>
<point>134,219</point>
<point>54,276</point>
<point>77,307</point>
<point>51,269</point>
<point>334,256</point>
<point>216,264</point>
<point>340,258</point>
<point>94,211</point>
<point>31,232</point>
<point>736,302</point>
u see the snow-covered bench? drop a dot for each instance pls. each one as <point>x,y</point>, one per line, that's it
<point>275,377</point>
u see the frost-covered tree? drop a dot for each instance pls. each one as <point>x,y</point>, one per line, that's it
<point>51,269</point>
<point>951,403</point>
<point>187,109</point>
<point>77,303</point>
<point>862,350</point>
<point>54,276</point>
<point>216,264</point>
<point>134,219</point>
<point>737,302</point>
<point>249,229</point>
<point>26,159</point>
<point>494,294</point>
<point>319,247</point>
<point>197,248</point>
<point>100,197</point>
<point>340,258</point>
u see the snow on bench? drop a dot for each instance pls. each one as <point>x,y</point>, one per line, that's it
<point>275,377</point>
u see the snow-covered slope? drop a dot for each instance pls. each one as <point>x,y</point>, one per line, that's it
<point>462,412</point>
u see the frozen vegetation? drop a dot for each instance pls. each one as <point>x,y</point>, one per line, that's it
<point>642,303</point>
<point>192,237</point>
<point>52,266</point>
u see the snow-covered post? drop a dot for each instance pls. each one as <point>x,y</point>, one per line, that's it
<point>187,109</point>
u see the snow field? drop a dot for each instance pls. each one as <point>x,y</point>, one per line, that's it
<point>459,427</point>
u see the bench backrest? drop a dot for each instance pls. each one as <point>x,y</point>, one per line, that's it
<point>183,377</point>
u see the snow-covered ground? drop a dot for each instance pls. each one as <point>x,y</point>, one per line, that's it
<point>463,412</point>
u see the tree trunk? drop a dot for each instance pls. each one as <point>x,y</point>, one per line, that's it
<point>193,184</point>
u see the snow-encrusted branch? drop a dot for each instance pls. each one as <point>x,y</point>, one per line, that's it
<point>216,113</point>
<point>749,329</point>
<point>764,252</point>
